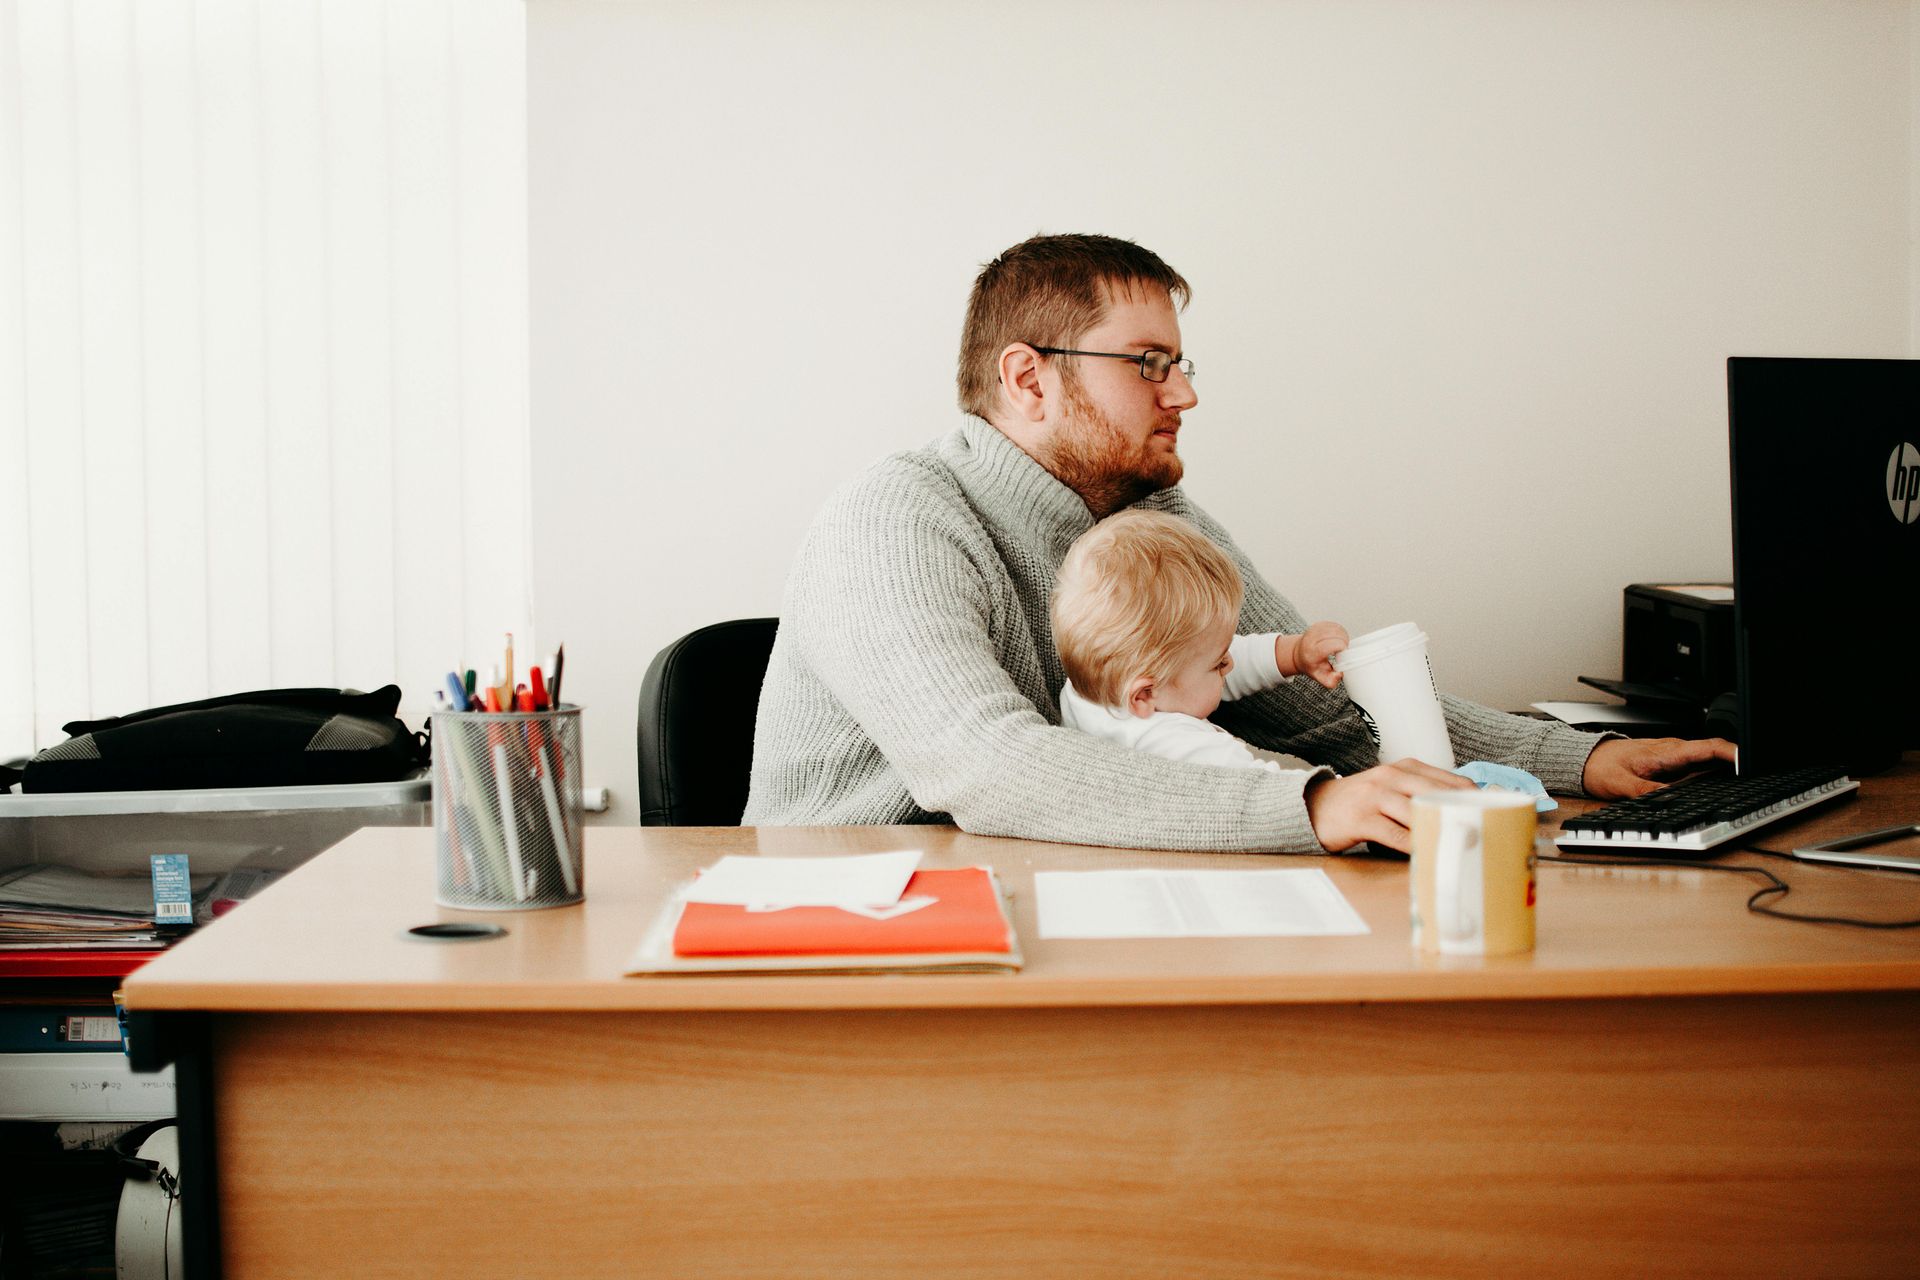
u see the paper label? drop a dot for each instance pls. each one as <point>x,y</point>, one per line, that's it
<point>172,889</point>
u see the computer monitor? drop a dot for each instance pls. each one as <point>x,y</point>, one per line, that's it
<point>1826,560</point>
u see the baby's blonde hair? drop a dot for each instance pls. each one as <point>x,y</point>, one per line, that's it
<point>1134,593</point>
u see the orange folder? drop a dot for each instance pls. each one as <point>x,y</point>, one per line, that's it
<point>966,917</point>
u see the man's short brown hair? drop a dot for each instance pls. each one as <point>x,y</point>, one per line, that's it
<point>1048,291</point>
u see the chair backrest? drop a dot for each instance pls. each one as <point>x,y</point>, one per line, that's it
<point>697,709</point>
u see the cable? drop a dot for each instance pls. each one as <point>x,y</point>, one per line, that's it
<point>1776,886</point>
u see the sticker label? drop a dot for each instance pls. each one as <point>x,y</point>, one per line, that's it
<point>91,1029</point>
<point>172,889</point>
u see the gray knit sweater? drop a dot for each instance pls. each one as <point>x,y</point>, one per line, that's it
<point>914,674</point>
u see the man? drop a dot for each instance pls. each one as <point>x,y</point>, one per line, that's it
<point>915,679</point>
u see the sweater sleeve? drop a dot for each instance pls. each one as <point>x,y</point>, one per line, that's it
<point>1303,718</point>
<point>891,612</point>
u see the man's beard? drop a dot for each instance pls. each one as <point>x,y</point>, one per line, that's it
<point>1092,456</point>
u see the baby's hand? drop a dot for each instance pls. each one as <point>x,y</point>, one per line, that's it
<point>1313,655</point>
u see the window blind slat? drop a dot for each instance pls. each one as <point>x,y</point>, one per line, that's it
<point>299,398</point>
<point>426,319</point>
<point>111,357</point>
<point>16,584</point>
<point>490,166</point>
<point>360,337</point>
<point>170,322</point>
<point>56,441</point>
<point>239,571</point>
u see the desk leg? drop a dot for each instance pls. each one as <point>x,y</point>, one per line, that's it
<point>186,1041</point>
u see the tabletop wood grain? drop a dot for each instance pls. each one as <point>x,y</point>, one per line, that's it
<point>332,934</point>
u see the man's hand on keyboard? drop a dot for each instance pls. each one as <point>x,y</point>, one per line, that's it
<point>1622,767</point>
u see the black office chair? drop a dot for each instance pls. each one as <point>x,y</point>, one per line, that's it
<point>697,709</point>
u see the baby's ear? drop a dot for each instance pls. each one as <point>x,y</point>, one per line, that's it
<point>1140,696</point>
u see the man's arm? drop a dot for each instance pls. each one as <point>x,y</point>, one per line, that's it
<point>889,610</point>
<point>1547,749</point>
<point>1323,725</point>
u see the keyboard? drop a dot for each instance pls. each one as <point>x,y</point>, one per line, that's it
<point>1694,816</point>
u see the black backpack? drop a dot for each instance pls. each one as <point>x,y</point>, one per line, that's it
<point>268,738</point>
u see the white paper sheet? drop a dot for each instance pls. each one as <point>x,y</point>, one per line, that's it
<point>1290,902</point>
<point>1598,713</point>
<point>1707,592</point>
<point>862,880</point>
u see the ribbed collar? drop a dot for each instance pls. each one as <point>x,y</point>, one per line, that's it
<point>1009,488</point>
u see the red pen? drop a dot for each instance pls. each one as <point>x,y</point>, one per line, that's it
<point>493,699</point>
<point>523,699</point>
<point>540,702</point>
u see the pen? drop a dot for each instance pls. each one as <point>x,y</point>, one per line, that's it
<point>509,823</point>
<point>507,683</point>
<point>473,828</point>
<point>461,869</point>
<point>559,668</point>
<point>543,769</point>
<point>556,821</point>
<point>493,699</point>
<point>470,684</point>
<point>540,700</point>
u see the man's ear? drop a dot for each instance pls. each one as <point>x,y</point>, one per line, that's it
<point>1140,696</point>
<point>1020,387</point>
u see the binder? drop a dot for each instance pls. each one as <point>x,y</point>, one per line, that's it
<point>965,929</point>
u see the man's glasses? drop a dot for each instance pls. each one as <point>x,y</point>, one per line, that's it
<point>1154,365</point>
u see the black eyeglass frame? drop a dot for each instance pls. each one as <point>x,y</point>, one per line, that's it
<point>1166,370</point>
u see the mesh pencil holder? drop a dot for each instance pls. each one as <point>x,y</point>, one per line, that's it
<point>506,809</point>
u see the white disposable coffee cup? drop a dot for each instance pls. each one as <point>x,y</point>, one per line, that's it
<point>1388,676</point>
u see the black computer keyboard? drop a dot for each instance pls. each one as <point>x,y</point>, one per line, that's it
<point>1694,816</point>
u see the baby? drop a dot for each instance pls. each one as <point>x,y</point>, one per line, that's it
<point>1143,614</point>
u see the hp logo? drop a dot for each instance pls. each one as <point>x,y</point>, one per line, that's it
<point>1903,483</point>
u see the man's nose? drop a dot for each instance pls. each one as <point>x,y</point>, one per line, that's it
<point>1177,391</point>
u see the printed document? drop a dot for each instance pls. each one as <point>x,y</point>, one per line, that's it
<point>1294,902</point>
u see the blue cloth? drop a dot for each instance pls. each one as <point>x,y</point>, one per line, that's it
<point>1484,774</point>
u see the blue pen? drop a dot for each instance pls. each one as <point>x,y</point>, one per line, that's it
<point>458,689</point>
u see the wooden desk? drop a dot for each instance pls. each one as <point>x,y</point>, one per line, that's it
<point>1668,1085</point>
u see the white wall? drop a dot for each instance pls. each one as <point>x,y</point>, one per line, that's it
<point>1465,278</point>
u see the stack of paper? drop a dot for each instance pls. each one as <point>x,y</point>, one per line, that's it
<point>867,913</point>
<point>61,908</point>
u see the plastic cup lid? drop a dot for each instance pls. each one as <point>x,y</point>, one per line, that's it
<point>1375,645</point>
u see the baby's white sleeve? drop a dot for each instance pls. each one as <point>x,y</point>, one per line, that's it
<point>1254,667</point>
<point>1183,738</point>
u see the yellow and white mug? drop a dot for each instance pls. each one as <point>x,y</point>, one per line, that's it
<point>1472,878</point>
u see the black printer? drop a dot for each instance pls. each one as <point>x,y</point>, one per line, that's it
<point>1676,651</point>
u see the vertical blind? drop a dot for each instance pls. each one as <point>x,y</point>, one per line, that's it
<point>263,356</point>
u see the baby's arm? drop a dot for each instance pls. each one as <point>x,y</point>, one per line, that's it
<point>1256,665</point>
<point>1311,652</point>
<point>1269,659</point>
